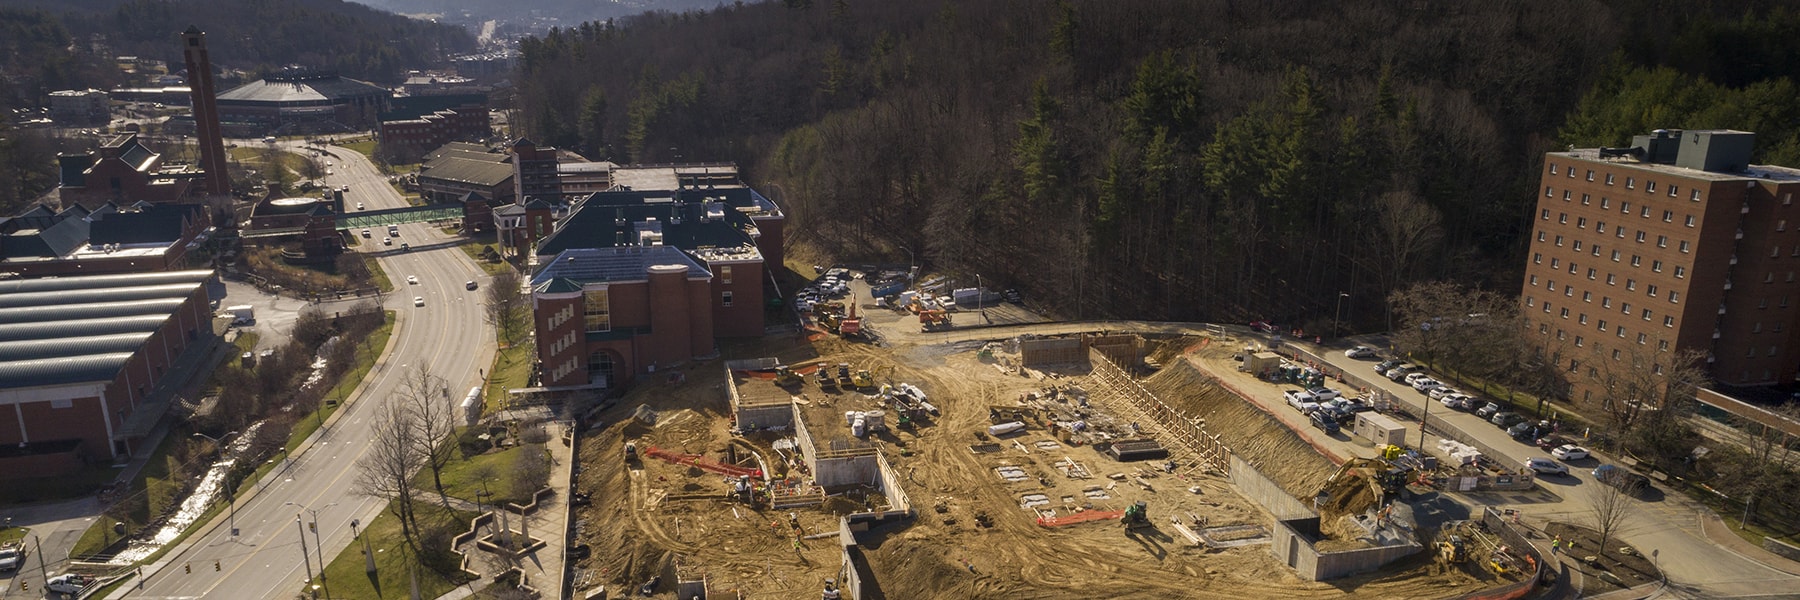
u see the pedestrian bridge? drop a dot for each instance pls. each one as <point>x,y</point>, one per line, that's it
<point>371,219</point>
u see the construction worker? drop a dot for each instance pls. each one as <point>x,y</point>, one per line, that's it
<point>1556,545</point>
<point>831,590</point>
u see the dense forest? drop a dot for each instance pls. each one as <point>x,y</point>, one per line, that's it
<point>1175,159</point>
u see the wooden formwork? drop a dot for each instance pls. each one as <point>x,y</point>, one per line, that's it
<point>1119,390</point>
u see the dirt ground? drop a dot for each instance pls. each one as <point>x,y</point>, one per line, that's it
<point>1612,567</point>
<point>653,520</point>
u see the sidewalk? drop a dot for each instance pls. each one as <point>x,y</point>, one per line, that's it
<point>544,568</point>
<point>1719,533</point>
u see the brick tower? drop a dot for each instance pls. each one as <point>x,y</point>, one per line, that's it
<point>206,111</point>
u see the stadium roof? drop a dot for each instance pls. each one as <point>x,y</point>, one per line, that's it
<point>302,89</point>
<point>66,330</point>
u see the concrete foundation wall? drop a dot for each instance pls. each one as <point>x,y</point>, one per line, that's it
<point>1291,548</point>
<point>1265,493</point>
<point>1050,352</point>
<point>865,470</point>
<point>765,417</point>
<point>1332,565</point>
<point>890,485</point>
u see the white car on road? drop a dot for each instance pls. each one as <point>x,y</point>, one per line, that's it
<point>1360,352</point>
<point>1425,384</point>
<point>418,300</point>
<point>1569,452</point>
<point>1545,466</point>
<point>68,583</point>
<point>412,280</point>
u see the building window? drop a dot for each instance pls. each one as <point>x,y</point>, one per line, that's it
<point>1600,227</point>
<point>1668,216</point>
<point>1578,343</point>
<point>1615,256</point>
<point>1586,199</point>
<point>1556,263</point>
<point>1577,245</point>
<point>1690,220</point>
<point>1571,172</point>
<point>1641,339</point>
<point>1546,214</point>
<point>1625,208</point>
<point>1757,328</point>
<point>1559,240</point>
<point>1619,232</point>
<point>596,310</point>
<point>1684,246</point>
<point>1680,271</point>
<point>1596,251</point>
<point>1606,302</point>
<point>1582,319</point>
<point>1604,201</point>
<point>1603,325</point>
<point>1652,291</point>
<point>1529,301</point>
<point>1625,308</point>
<point>1637,261</point>
<point>1549,192</point>
<point>1645,212</point>
<point>1787,198</point>
<point>1587,297</point>
<point>1565,313</point>
<point>1609,179</point>
<point>1566,195</point>
<point>1646,314</point>
<point>1640,236</point>
<point>1694,195</point>
<point>1668,321</point>
<point>1673,189</point>
<point>1631,284</point>
<point>1662,345</point>
<point>1591,274</point>
<point>725,299</point>
<point>1656,265</point>
<point>1590,175</point>
<point>1581,223</point>
<point>1650,187</point>
<point>725,274</point>
<point>1610,278</point>
<point>1537,258</point>
<point>1533,280</point>
<point>1569,291</point>
<point>1552,168</point>
<point>1769,277</point>
<point>1620,331</point>
<point>1781,225</point>
<point>1564,218</point>
<point>1540,236</point>
<point>1630,183</point>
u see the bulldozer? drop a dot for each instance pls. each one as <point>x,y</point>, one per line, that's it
<point>826,382</point>
<point>843,374</point>
<point>862,379</point>
<point>785,376</point>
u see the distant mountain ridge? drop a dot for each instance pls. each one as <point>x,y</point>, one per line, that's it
<point>574,11</point>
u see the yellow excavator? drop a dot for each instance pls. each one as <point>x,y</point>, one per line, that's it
<point>785,377</point>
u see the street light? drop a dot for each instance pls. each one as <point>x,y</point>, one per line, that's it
<point>319,545</point>
<point>230,491</point>
<point>1337,325</point>
<point>303,555</point>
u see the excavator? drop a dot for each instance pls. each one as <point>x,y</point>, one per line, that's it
<point>1453,549</point>
<point>1137,515</point>
<point>862,379</point>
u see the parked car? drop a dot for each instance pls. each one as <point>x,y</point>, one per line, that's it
<point>1439,392</point>
<point>1381,368</point>
<point>1569,452</point>
<point>1489,410</point>
<point>1616,476</point>
<point>1325,420</point>
<point>1545,466</point>
<point>1426,384</point>
<point>1522,431</point>
<point>1322,393</point>
<point>1399,373</point>
<point>1301,401</point>
<point>1551,441</point>
<point>1360,352</point>
<point>1263,326</point>
<point>1455,401</point>
<point>1506,419</point>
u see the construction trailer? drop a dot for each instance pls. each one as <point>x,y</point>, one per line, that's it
<point>1379,429</point>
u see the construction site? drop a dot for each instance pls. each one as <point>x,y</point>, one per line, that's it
<point>1053,467</point>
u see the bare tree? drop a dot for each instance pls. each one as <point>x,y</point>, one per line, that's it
<point>1407,230</point>
<point>1629,378</point>
<point>505,306</point>
<point>1466,330</point>
<point>386,471</point>
<point>1612,508</point>
<point>431,415</point>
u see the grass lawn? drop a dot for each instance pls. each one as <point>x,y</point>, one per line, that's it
<point>473,249</point>
<point>365,147</point>
<point>512,369</point>
<point>12,534</point>
<point>349,578</point>
<point>154,482</point>
<point>365,360</point>
<point>460,476</point>
<point>381,279</point>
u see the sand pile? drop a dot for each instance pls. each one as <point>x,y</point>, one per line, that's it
<point>1250,433</point>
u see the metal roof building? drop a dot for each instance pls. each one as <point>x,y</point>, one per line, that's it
<point>89,364</point>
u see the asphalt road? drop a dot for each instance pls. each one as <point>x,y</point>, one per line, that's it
<point>1664,521</point>
<point>447,333</point>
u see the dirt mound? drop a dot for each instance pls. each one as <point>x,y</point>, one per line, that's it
<point>1250,433</point>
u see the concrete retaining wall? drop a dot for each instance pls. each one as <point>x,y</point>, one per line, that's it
<point>762,417</point>
<point>1332,565</point>
<point>1263,491</point>
<point>865,470</point>
<point>1049,352</point>
<point>1783,549</point>
<point>890,485</point>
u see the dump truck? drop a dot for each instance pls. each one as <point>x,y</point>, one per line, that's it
<point>850,325</point>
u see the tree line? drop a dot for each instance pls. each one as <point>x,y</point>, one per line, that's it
<point>1208,160</point>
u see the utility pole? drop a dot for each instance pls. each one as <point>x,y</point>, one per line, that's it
<point>1337,315</point>
<point>1422,418</point>
<point>304,556</point>
<point>42,571</point>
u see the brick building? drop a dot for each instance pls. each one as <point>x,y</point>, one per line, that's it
<point>80,107</point>
<point>83,362</point>
<point>138,238</point>
<point>604,315</point>
<point>122,171</point>
<point>1674,243</point>
<point>457,168</point>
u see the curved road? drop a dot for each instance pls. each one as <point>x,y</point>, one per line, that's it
<point>447,333</point>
